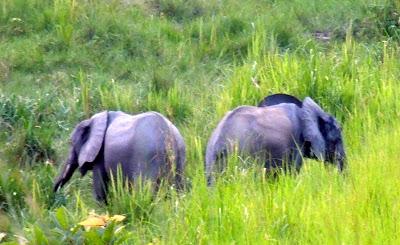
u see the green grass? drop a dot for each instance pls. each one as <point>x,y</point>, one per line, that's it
<point>64,60</point>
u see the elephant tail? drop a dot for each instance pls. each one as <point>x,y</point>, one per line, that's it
<point>180,166</point>
<point>179,147</point>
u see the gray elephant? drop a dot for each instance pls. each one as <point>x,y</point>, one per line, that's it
<point>280,132</point>
<point>146,146</point>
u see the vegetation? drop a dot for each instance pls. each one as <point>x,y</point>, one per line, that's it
<point>64,60</point>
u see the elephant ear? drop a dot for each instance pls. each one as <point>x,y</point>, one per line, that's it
<point>87,138</point>
<point>276,99</point>
<point>311,117</point>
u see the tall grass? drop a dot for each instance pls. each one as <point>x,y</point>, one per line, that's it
<point>62,61</point>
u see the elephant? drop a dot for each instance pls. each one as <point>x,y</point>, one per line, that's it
<point>146,146</point>
<point>280,131</point>
<point>276,99</point>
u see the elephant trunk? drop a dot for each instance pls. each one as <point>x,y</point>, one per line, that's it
<point>341,158</point>
<point>341,164</point>
<point>68,170</point>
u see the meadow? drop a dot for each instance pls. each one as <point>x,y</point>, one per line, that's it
<point>61,61</point>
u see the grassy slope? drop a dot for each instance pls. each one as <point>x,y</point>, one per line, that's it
<point>63,60</point>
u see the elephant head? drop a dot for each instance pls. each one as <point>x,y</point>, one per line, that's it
<point>322,134</point>
<point>86,143</point>
<point>321,131</point>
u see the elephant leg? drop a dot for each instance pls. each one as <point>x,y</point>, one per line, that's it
<point>180,161</point>
<point>273,161</point>
<point>298,160</point>
<point>272,166</point>
<point>217,166</point>
<point>100,181</point>
<point>292,162</point>
<point>269,165</point>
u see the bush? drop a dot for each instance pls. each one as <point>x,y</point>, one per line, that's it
<point>31,126</point>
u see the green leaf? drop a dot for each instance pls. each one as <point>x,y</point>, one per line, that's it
<point>93,237</point>
<point>109,232</point>
<point>40,237</point>
<point>62,219</point>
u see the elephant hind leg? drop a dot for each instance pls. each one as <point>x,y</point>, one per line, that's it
<point>100,182</point>
<point>272,167</point>
<point>180,163</point>
<point>217,166</point>
<point>298,161</point>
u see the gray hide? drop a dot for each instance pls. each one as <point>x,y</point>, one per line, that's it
<point>146,146</point>
<point>276,99</point>
<point>276,134</point>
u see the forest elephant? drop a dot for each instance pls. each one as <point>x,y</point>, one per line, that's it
<point>146,146</point>
<point>279,132</point>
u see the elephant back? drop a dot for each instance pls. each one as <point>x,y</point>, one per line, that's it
<point>276,99</point>
<point>140,144</point>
